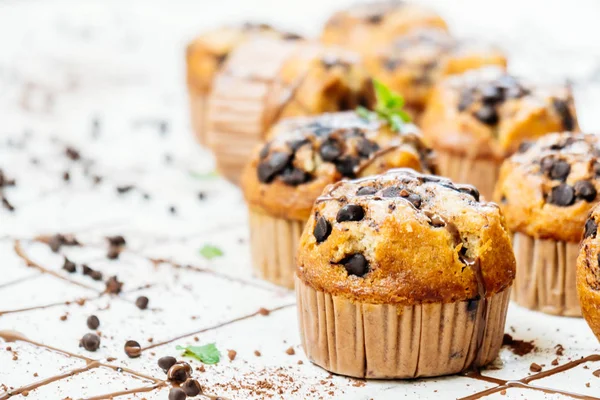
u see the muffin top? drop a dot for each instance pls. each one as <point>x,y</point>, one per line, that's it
<point>548,187</point>
<point>361,26</point>
<point>405,238</point>
<point>412,63</point>
<point>303,155</point>
<point>487,113</point>
<point>206,53</point>
<point>588,263</point>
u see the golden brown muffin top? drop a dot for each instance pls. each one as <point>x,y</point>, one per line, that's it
<point>548,187</point>
<point>412,63</point>
<point>304,155</point>
<point>206,53</point>
<point>361,27</point>
<point>405,238</point>
<point>487,113</point>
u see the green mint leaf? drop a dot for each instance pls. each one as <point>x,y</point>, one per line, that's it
<point>209,252</point>
<point>389,107</point>
<point>204,175</point>
<point>208,354</point>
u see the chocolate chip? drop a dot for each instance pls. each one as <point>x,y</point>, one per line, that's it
<point>294,176</point>
<point>179,372</point>
<point>585,190</point>
<point>90,342</point>
<point>113,253</point>
<point>392,191</point>
<point>491,94</point>
<point>562,195</point>
<point>350,212</point>
<point>356,264</point>
<point>132,349</point>
<point>177,394</point>
<point>330,150</point>
<point>165,363</point>
<point>591,228</point>
<point>296,144</point>
<point>69,266</point>
<point>415,199</point>
<point>72,154</point>
<point>487,115</point>
<point>470,190</point>
<point>117,240</point>
<point>346,166</point>
<point>562,107</point>
<point>264,152</point>
<point>93,322</point>
<point>365,147</point>
<point>560,170</point>
<point>113,285</point>
<point>272,166</point>
<point>366,191</point>
<point>322,229</point>
<point>142,302</point>
<point>192,387</point>
<point>124,189</point>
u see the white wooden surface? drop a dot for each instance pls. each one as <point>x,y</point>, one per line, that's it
<point>66,63</point>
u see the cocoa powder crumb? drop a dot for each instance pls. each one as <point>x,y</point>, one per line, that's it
<point>518,347</point>
<point>534,367</point>
<point>555,362</point>
<point>559,349</point>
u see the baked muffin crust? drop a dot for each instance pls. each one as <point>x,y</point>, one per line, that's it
<point>588,272</point>
<point>405,238</point>
<point>306,154</point>
<point>547,188</point>
<point>487,113</point>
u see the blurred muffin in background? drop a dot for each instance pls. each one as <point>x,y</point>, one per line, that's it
<point>204,57</point>
<point>546,191</point>
<point>265,80</point>
<point>413,63</point>
<point>477,119</point>
<point>588,272</point>
<point>304,155</point>
<point>364,26</point>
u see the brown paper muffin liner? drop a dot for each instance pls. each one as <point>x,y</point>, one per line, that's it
<point>273,243</point>
<point>546,275</point>
<point>386,341</point>
<point>481,173</point>
<point>198,109</point>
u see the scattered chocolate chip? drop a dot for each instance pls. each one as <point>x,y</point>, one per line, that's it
<point>487,115</point>
<point>562,195</point>
<point>55,242</point>
<point>142,302</point>
<point>113,285</point>
<point>179,372</point>
<point>90,342</point>
<point>177,394</point>
<point>231,354</point>
<point>290,351</point>
<point>269,168</point>
<point>132,349</point>
<point>347,165</point>
<point>165,363</point>
<point>330,150</point>
<point>117,240</point>
<point>562,107</point>
<point>591,228</point>
<point>366,191</point>
<point>560,170</point>
<point>113,253</point>
<point>69,266</point>
<point>66,176</point>
<point>518,347</point>
<point>72,154</point>
<point>322,229</point>
<point>191,387</point>
<point>201,196</point>
<point>585,190</point>
<point>124,189</point>
<point>534,367</point>
<point>356,264</point>
<point>173,210</point>
<point>350,212</point>
<point>7,204</point>
<point>294,176</point>
<point>93,322</point>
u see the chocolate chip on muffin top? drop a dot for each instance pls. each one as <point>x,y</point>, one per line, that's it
<point>405,237</point>
<point>548,186</point>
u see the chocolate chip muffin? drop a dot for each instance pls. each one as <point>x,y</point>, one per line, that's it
<point>204,57</point>
<point>306,154</point>
<point>477,119</point>
<point>403,275</point>
<point>363,26</point>
<point>414,62</point>
<point>588,272</point>
<point>265,80</point>
<point>546,190</point>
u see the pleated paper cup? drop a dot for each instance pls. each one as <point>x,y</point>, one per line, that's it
<point>399,342</point>
<point>546,275</point>
<point>198,108</point>
<point>273,243</point>
<point>481,173</point>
